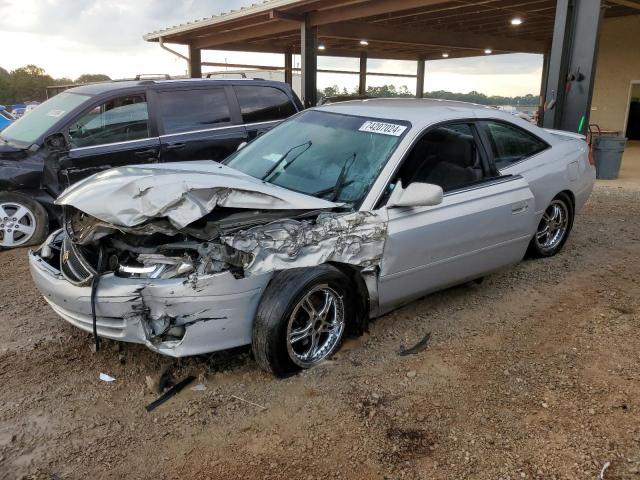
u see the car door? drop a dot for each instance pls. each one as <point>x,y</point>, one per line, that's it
<point>197,123</point>
<point>484,222</point>
<point>262,107</point>
<point>111,133</point>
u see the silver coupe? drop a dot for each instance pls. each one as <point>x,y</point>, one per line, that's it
<point>338,215</point>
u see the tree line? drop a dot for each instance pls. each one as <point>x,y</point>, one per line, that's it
<point>30,83</point>
<point>403,91</point>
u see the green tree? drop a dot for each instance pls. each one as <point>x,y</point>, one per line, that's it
<point>92,77</point>
<point>30,83</point>
<point>6,91</point>
<point>63,81</point>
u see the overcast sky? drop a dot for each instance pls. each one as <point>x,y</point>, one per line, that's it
<point>71,37</point>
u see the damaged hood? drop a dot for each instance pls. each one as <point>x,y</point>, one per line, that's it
<point>180,192</point>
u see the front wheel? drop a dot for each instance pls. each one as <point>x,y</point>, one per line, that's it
<point>554,227</point>
<point>301,319</point>
<point>23,221</point>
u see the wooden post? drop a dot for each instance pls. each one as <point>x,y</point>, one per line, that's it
<point>195,62</point>
<point>362,85</point>
<point>420,79</point>
<point>309,62</point>
<point>288,67</point>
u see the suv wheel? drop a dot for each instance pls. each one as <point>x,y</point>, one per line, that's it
<point>301,319</point>
<point>23,221</point>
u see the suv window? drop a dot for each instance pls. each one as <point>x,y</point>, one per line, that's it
<point>199,109</point>
<point>447,156</point>
<point>511,144</point>
<point>263,104</point>
<point>116,120</point>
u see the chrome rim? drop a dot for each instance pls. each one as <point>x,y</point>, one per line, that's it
<point>315,326</point>
<point>17,224</point>
<point>553,225</point>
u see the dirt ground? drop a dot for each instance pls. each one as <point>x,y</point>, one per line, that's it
<point>533,374</point>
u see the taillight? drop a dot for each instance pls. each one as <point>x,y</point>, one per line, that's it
<point>591,160</point>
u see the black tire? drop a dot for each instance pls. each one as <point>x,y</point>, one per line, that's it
<point>37,215</point>
<point>537,249</point>
<point>286,290</point>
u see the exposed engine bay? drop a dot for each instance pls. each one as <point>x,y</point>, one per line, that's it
<point>242,242</point>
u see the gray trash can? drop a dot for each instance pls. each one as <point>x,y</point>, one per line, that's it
<point>607,155</point>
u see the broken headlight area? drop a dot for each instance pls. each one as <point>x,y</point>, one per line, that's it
<point>51,248</point>
<point>154,250</point>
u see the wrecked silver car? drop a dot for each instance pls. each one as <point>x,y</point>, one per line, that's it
<point>338,215</point>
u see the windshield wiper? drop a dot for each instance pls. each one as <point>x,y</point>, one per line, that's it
<point>341,182</point>
<point>283,157</point>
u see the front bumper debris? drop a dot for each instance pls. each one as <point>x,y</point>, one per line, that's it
<point>175,317</point>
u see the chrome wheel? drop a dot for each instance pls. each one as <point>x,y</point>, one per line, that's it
<point>17,224</point>
<point>315,326</point>
<point>553,226</point>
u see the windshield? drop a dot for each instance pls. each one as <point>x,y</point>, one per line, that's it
<point>323,154</point>
<point>30,127</point>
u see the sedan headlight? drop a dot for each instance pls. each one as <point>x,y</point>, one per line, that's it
<point>158,266</point>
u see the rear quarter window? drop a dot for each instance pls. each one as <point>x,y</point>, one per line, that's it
<point>263,104</point>
<point>191,110</point>
<point>511,144</point>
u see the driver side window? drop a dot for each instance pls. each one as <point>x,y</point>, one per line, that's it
<point>447,156</point>
<point>116,120</point>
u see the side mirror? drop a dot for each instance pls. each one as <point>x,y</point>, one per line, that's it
<point>56,143</point>
<point>241,146</point>
<point>416,195</point>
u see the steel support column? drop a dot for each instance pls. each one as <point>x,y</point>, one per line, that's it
<point>309,62</point>
<point>195,62</point>
<point>543,86</point>
<point>420,79</point>
<point>362,84</point>
<point>288,67</point>
<point>572,65</point>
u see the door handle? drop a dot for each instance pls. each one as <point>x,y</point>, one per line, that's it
<point>174,146</point>
<point>146,153</point>
<point>519,207</point>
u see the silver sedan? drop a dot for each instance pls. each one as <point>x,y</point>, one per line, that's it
<point>336,216</point>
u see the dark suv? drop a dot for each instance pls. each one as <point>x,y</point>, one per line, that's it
<point>95,127</point>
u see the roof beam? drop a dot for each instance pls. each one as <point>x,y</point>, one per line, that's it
<point>367,9</point>
<point>627,3</point>
<point>433,38</point>
<point>291,17</point>
<point>250,33</point>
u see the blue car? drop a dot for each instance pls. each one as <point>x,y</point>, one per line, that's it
<point>6,118</point>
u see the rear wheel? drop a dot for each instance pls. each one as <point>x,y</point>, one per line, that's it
<point>301,319</point>
<point>554,228</point>
<point>23,221</point>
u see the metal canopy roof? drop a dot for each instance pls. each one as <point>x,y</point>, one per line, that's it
<point>394,29</point>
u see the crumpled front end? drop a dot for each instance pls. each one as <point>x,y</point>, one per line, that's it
<point>174,316</point>
<point>191,290</point>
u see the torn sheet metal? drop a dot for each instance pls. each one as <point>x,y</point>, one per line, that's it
<point>355,238</point>
<point>180,192</point>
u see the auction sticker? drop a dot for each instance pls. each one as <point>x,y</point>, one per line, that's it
<point>383,128</point>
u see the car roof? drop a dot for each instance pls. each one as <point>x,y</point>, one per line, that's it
<point>104,87</point>
<point>418,111</point>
